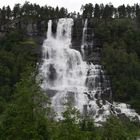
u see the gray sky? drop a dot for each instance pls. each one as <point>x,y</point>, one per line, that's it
<point>71,5</point>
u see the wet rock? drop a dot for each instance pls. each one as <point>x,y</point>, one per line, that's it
<point>123,117</point>
<point>100,111</point>
<point>118,111</point>
<point>106,95</point>
<point>71,98</point>
<point>50,93</point>
<point>53,74</point>
<point>98,103</point>
<point>85,110</point>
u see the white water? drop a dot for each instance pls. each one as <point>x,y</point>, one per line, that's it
<point>63,69</point>
<point>69,79</point>
<point>84,43</point>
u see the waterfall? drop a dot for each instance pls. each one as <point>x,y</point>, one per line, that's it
<point>84,43</point>
<point>49,32</point>
<point>63,69</point>
<point>67,79</point>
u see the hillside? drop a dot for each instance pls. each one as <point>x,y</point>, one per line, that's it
<point>115,32</point>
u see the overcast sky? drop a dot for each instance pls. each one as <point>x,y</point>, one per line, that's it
<point>71,5</point>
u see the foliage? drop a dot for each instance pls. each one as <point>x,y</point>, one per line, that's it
<point>25,116</point>
<point>120,56</point>
<point>15,55</point>
<point>115,129</point>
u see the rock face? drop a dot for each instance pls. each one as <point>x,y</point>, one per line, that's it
<point>72,73</point>
<point>83,36</point>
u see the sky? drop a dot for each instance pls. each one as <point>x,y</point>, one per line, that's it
<point>71,5</point>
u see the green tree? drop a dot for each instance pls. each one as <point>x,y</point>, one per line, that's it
<point>108,12</point>
<point>3,15</point>
<point>25,118</point>
<point>122,11</point>
<point>16,11</point>
<point>68,128</point>
<point>128,11</point>
<point>87,10</point>
<point>114,129</point>
<point>8,12</point>
<point>97,11</point>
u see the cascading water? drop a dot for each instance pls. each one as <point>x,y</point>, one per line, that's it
<point>63,70</point>
<point>84,43</point>
<point>99,90</point>
<point>69,79</point>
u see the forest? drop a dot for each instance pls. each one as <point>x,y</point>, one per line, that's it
<point>22,112</point>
